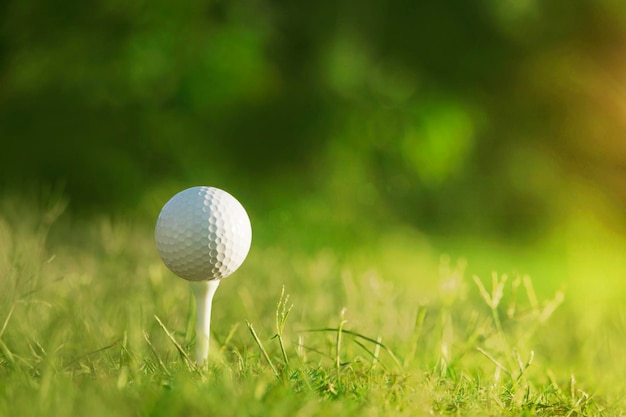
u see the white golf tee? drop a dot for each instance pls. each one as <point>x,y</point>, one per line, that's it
<point>203,292</point>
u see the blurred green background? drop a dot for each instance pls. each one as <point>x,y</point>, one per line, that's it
<point>493,130</point>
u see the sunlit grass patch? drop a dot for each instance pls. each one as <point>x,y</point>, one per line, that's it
<point>94,323</point>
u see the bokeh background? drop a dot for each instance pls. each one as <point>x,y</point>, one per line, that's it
<point>491,130</point>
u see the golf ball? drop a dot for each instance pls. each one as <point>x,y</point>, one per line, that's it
<point>203,233</point>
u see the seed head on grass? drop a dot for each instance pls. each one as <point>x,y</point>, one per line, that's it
<point>282,312</point>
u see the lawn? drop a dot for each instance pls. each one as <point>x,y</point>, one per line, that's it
<point>92,323</point>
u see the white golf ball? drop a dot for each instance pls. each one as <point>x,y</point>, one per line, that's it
<point>203,233</point>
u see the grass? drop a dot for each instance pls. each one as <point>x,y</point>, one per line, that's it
<point>92,323</point>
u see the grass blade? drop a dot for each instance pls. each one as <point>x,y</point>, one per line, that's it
<point>417,332</point>
<point>392,355</point>
<point>338,346</point>
<point>263,351</point>
<point>156,354</point>
<point>191,364</point>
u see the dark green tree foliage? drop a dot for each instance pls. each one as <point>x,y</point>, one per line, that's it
<point>457,114</point>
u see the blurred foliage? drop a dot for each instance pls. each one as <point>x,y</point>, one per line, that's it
<point>477,116</point>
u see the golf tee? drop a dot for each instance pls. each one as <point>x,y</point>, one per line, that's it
<point>203,292</point>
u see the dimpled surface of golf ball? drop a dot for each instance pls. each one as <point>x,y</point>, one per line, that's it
<point>203,233</point>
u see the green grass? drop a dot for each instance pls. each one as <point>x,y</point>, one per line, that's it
<point>92,323</point>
